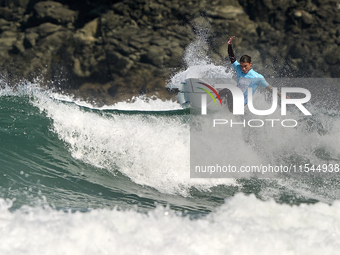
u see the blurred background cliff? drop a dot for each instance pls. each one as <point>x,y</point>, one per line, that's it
<point>118,49</point>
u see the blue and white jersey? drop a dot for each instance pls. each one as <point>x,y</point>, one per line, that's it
<point>251,79</point>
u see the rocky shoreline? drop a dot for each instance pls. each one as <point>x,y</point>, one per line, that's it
<point>118,49</point>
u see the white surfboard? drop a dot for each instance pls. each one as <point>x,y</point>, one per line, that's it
<point>191,91</point>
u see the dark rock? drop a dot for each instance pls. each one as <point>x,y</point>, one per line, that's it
<point>123,49</point>
<point>338,40</point>
<point>155,56</point>
<point>176,57</point>
<point>15,3</point>
<point>307,18</point>
<point>332,56</point>
<point>55,40</point>
<point>54,12</point>
<point>139,40</point>
<point>18,47</point>
<point>226,12</point>
<point>159,41</point>
<point>8,39</point>
<point>46,29</point>
<point>337,19</point>
<point>130,46</point>
<point>118,63</point>
<point>88,33</point>
<point>299,51</point>
<point>6,13</point>
<point>7,25</point>
<point>30,40</point>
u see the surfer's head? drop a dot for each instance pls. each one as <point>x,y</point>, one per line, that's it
<point>245,62</point>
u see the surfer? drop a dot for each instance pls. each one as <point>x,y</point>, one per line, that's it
<point>246,77</point>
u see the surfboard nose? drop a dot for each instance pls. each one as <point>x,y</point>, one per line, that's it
<point>191,91</point>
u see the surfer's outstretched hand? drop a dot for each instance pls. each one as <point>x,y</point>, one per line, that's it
<point>231,40</point>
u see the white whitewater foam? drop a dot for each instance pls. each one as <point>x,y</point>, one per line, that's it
<point>155,150</point>
<point>198,62</point>
<point>150,150</point>
<point>140,103</point>
<point>243,225</point>
<point>146,104</point>
<point>208,72</point>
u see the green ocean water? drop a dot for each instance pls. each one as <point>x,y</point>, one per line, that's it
<point>37,165</point>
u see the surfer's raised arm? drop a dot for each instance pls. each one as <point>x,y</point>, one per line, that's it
<point>244,59</point>
<point>230,50</point>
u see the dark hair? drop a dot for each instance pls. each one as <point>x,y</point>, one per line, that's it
<point>245,59</point>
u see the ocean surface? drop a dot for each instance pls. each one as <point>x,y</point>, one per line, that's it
<point>76,179</point>
<point>81,179</point>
